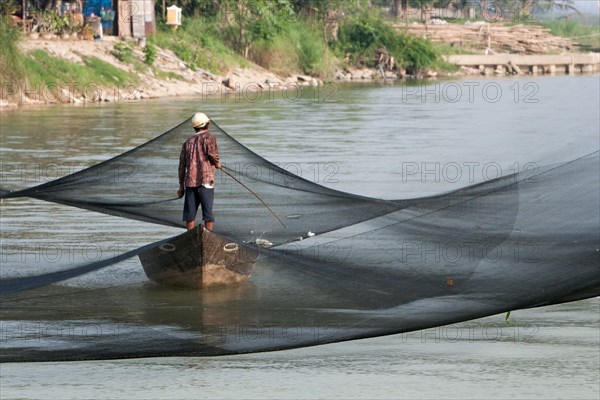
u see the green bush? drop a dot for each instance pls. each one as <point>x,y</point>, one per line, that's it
<point>362,35</point>
<point>150,53</point>
<point>279,55</point>
<point>297,47</point>
<point>198,43</point>
<point>313,55</point>
<point>416,53</point>
<point>300,47</point>
<point>8,7</point>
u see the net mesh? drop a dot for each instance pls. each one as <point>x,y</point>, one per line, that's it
<point>374,267</point>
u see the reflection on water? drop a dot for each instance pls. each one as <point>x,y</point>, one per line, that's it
<point>546,353</point>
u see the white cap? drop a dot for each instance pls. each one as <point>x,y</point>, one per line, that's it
<point>199,120</point>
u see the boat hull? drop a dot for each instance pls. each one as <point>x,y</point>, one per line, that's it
<point>198,259</point>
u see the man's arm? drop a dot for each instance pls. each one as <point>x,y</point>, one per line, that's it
<point>212,151</point>
<point>182,167</point>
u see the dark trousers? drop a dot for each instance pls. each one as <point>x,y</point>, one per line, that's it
<point>198,196</point>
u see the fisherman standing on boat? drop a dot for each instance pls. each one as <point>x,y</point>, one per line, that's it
<point>197,162</point>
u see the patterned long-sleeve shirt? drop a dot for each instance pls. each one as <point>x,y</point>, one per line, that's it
<point>197,161</point>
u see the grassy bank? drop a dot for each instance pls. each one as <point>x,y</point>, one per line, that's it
<point>214,44</point>
<point>43,69</point>
<point>39,69</point>
<point>362,35</point>
<point>285,37</point>
<point>199,44</point>
<point>298,46</point>
<point>587,36</point>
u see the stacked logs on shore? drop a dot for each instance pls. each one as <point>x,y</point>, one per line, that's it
<point>516,39</point>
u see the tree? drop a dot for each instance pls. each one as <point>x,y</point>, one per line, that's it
<point>423,5</point>
<point>560,5</point>
<point>400,8</point>
<point>197,8</point>
<point>252,20</point>
<point>8,7</point>
<point>523,10</point>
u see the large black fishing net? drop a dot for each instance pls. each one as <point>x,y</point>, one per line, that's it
<point>374,267</point>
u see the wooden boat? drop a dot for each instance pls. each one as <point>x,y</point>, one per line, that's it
<point>199,259</point>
